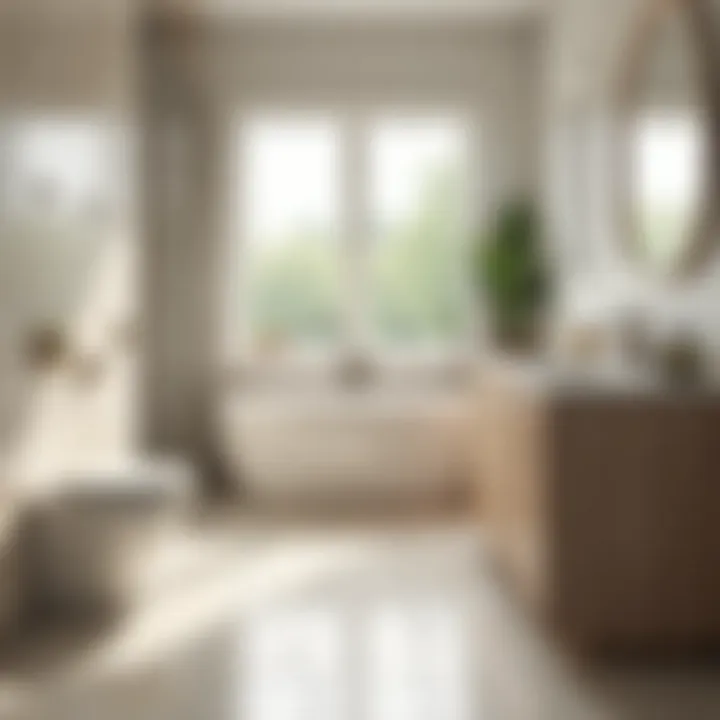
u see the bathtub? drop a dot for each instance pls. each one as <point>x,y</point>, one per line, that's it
<point>349,446</point>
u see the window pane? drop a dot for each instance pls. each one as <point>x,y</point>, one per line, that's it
<point>61,196</point>
<point>668,163</point>
<point>290,252</point>
<point>418,187</point>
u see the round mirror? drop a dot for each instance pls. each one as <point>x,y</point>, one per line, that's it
<point>671,112</point>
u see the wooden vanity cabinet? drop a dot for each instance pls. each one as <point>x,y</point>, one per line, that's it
<point>602,505</point>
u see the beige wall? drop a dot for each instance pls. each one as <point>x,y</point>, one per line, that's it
<point>493,70</point>
<point>68,60</point>
<point>62,64</point>
<point>490,72</point>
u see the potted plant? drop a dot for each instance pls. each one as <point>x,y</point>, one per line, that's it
<point>512,278</point>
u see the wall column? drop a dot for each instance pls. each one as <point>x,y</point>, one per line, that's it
<point>182,189</point>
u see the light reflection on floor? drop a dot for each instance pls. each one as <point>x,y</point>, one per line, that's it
<point>418,626</point>
<point>379,646</point>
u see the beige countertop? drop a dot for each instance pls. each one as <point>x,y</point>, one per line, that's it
<point>545,377</point>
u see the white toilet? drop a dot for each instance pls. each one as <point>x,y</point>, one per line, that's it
<point>92,537</point>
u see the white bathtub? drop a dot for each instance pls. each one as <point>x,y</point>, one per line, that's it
<point>349,446</point>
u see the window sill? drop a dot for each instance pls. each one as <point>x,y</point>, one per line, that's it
<point>394,373</point>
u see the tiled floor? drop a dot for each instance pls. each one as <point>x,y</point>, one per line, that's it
<point>382,622</point>
<point>415,627</point>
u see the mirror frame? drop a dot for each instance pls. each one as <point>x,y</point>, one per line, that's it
<point>701,19</point>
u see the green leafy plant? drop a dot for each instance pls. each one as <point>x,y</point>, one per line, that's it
<point>512,277</point>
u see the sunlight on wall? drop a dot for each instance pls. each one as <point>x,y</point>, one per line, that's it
<point>69,260</point>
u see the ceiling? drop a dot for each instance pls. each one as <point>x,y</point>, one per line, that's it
<point>429,8</point>
<point>63,12</point>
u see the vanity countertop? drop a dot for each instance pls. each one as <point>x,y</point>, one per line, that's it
<point>565,381</point>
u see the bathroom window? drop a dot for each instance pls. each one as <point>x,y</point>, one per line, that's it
<point>351,234</point>
<point>291,281</point>
<point>418,289</point>
<point>57,169</point>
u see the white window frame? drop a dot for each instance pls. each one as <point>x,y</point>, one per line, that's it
<point>354,125</point>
